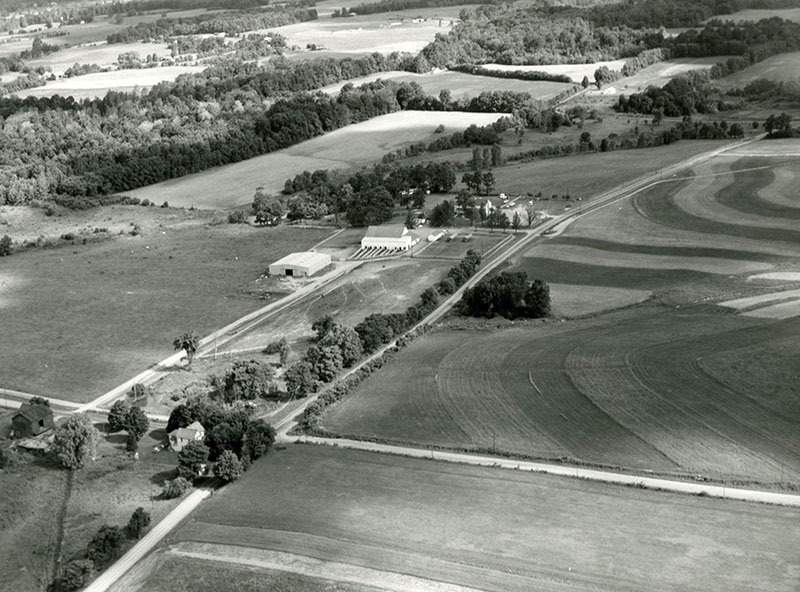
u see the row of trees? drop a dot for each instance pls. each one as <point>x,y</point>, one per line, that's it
<point>508,294</point>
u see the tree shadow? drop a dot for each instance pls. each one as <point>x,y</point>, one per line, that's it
<point>162,476</point>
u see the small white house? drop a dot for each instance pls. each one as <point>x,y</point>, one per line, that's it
<point>194,432</point>
<point>302,264</point>
<point>391,236</point>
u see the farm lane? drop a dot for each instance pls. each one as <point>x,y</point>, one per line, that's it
<point>720,491</point>
<point>148,542</point>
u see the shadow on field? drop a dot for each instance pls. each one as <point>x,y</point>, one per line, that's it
<point>162,476</point>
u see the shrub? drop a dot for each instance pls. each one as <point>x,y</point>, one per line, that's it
<point>191,460</point>
<point>5,246</point>
<point>175,488</point>
<point>237,217</point>
<point>117,415</point>
<point>74,441</point>
<point>140,520</point>
<point>105,544</point>
<point>75,575</point>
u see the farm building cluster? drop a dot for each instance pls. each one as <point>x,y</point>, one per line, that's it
<point>303,264</point>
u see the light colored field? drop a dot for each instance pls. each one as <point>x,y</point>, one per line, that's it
<point>355,145</point>
<point>782,310</point>
<point>14,45</point>
<point>460,85</point>
<point>571,300</point>
<point>782,68</point>
<point>101,54</point>
<point>370,33</point>
<point>10,76</point>
<point>751,301</point>
<point>108,310</point>
<point>592,256</point>
<point>792,14</point>
<point>782,276</point>
<point>770,148</point>
<point>661,73</point>
<point>574,71</point>
<point>490,529</point>
<point>620,389</point>
<point>98,84</point>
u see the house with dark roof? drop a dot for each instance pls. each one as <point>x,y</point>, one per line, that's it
<point>194,432</point>
<point>32,420</point>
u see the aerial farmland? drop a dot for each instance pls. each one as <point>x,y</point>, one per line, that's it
<point>402,295</point>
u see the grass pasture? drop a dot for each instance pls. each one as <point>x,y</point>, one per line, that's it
<point>574,71</point>
<point>791,14</point>
<point>622,389</point>
<point>662,72</point>
<point>783,67</point>
<point>101,54</point>
<point>491,529</point>
<point>355,145</point>
<point>461,85</point>
<point>78,320</point>
<point>92,86</point>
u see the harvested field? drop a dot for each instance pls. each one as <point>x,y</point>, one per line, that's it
<point>792,14</point>
<point>571,301</point>
<point>778,276</point>
<point>460,85</point>
<point>574,71</point>
<point>754,301</point>
<point>662,72</point>
<point>770,148</point>
<point>495,530</point>
<point>355,145</point>
<point>379,287</point>
<point>97,85</point>
<point>622,389</point>
<point>110,309</point>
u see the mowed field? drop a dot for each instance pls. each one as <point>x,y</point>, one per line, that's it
<point>79,320</point>
<point>649,387</point>
<point>662,72</point>
<point>792,14</point>
<point>97,85</point>
<point>438,526</point>
<point>460,85</point>
<point>101,54</point>
<point>355,145</point>
<point>574,71</point>
<point>783,67</point>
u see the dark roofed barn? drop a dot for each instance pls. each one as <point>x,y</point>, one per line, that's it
<point>32,420</point>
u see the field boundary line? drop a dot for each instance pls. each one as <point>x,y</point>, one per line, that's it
<point>654,483</point>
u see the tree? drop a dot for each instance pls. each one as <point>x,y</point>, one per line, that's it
<point>246,380</point>
<point>409,223</point>
<point>585,82</point>
<point>497,155</point>
<point>140,520</point>
<point>117,415</point>
<point>487,179</point>
<point>228,467</point>
<point>138,392</point>
<point>658,116</point>
<point>736,131</point>
<point>323,326</point>
<point>74,441</point>
<point>443,214</point>
<point>516,222</point>
<point>445,96</point>
<point>75,575</point>
<point>258,439</point>
<point>347,340</point>
<point>300,380</point>
<point>191,459</point>
<point>465,201</point>
<point>105,544</point>
<point>39,401</point>
<point>472,181</point>
<point>5,246</point>
<point>537,300</point>
<point>326,361</point>
<point>175,488</point>
<point>530,216</point>
<point>136,423</point>
<point>187,342</point>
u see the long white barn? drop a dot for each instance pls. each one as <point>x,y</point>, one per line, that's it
<point>394,237</point>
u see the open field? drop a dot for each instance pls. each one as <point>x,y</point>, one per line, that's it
<point>97,85</point>
<point>792,14</point>
<point>598,171</point>
<point>460,85</point>
<point>384,286</point>
<point>570,300</point>
<point>622,389</point>
<point>662,72</point>
<point>81,319</point>
<point>490,529</point>
<point>574,71</point>
<point>382,33</point>
<point>101,54</point>
<point>783,67</point>
<point>355,145</point>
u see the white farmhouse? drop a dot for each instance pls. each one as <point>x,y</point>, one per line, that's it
<point>194,432</point>
<point>392,237</point>
<point>301,264</point>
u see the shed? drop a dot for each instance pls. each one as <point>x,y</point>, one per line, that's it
<point>394,237</point>
<point>194,432</point>
<point>32,420</point>
<point>303,264</point>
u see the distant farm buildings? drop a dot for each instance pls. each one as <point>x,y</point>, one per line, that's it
<point>303,264</point>
<point>384,241</point>
<point>31,420</point>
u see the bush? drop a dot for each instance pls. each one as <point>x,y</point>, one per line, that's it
<point>75,575</point>
<point>74,441</point>
<point>105,544</point>
<point>140,520</point>
<point>237,217</point>
<point>5,246</point>
<point>191,460</point>
<point>175,488</point>
<point>117,415</point>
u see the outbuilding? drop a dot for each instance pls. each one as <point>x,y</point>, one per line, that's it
<point>393,237</point>
<point>302,264</point>
<point>32,420</point>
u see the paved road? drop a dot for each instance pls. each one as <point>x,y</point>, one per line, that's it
<point>750,495</point>
<point>148,542</point>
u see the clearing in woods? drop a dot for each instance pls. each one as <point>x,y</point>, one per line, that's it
<point>491,529</point>
<point>355,145</point>
<point>784,67</point>
<point>108,310</point>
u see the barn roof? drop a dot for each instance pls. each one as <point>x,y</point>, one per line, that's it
<point>386,231</point>
<point>34,412</point>
<point>304,259</point>
<point>189,432</point>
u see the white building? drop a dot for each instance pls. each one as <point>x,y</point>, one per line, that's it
<point>194,432</point>
<point>394,237</point>
<point>302,264</point>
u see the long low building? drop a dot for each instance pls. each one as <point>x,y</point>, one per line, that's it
<point>394,237</point>
<point>301,264</point>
